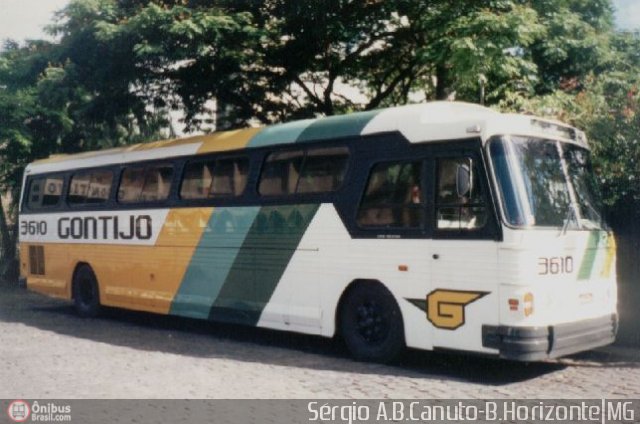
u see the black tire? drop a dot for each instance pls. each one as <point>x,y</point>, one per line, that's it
<point>86,294</point>
<point>371,323</point>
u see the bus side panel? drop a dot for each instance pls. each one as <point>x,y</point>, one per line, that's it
<point>46,272</point>
<point>211,260</point>
<point>327,260</point>
<point>134,274</point>
<point>464,295</point>
<point>148,277</point>
<point>133,277</point>
<point>239,261</point>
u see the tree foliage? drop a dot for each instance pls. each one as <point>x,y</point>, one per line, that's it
<point>280,59</point>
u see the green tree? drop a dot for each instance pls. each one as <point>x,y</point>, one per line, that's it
<point>576,42</point>
<point>279,59</point>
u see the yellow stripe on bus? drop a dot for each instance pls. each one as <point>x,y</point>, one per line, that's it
<point>216,142</point>
<point>610,256</point>
<point>228,140</point>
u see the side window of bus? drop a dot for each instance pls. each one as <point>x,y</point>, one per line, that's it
<point>460,202</point>
<point>157,183</point>
<point>280,173</point>
<point>315,170</point>
<point>229,177</point>
<point>149,183</point>
<point>44,192</point>
<point>393,197</point>
<point>90,187</point>
<point>215,178</point>
<point>323,170</point>
<point>131,184</point>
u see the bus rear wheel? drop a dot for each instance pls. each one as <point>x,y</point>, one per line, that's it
<point>371,323</point>
<point>86,295</point>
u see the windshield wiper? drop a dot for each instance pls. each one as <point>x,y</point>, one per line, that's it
<point>587,223</point>
<point>599,218</point>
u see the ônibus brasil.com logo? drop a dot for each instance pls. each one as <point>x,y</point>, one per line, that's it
<point>19,411</point>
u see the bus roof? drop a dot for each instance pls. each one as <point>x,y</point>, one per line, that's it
<point>427,122</point>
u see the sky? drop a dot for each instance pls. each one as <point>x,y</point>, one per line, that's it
<point>22,19</point>
<point>627,14</point>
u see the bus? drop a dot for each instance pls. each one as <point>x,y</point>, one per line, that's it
<point>436,226</point>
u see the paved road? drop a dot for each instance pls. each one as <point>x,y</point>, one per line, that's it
<point>46,351</point>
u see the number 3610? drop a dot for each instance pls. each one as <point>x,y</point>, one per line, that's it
<point>33,228</point>
<point>555,265</point>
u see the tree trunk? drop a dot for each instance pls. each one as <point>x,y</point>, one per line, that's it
<point>8,259</point>
<point>442,85</point>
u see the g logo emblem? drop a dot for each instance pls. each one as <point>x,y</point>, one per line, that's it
<point>446,308</point>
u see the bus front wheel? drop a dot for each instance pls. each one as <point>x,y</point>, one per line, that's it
<point>371,323</point>
<point>86,295</point>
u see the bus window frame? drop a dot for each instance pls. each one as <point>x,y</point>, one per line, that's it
<point>170,201</point>
<point>61,202</point>
<point>423,229</point>
<point>500,205</point>
<point>492,229</point>
<point>109,202</point>
<point>370,150</point>
<point>213,158</point>
<point>393,146</point>
<point>301,198</point>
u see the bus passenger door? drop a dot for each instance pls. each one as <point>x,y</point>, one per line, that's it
<point>393,240</point>
<point>463,293</point>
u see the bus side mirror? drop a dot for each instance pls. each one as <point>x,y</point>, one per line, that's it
<point>464,180</point>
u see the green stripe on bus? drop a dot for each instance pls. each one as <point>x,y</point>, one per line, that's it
<point>337,126</point>
<point>588,260</point>
<point>314,129</point>
<point>261,262</point>
<point>212,260</point>
<point>279,134</point>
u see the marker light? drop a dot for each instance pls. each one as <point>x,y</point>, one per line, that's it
<point>528,304</point>
<point>513,304</point>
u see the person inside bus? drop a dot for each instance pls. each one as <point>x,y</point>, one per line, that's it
<point>392,197</point>
<point>412,210</point>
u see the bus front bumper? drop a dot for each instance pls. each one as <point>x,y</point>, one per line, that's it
<point>536,343</point>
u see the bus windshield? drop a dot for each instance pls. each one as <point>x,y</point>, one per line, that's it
<point>545,183</point>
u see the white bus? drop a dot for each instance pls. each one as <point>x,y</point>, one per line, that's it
<point>435,226</point>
